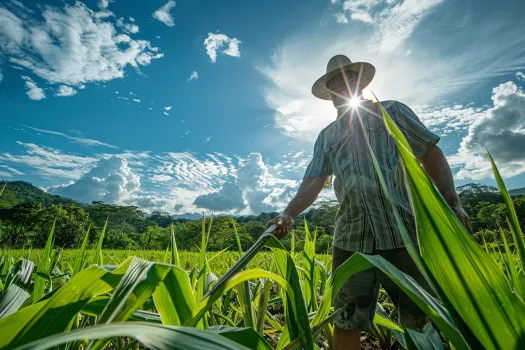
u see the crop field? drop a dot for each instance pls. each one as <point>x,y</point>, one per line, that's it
<point>218,265</point>
<point>270,298</point>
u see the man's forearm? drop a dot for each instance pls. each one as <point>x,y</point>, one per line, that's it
<point>305,196</point>
<point>438,169</point>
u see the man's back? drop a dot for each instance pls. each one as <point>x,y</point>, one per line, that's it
<point>366,219</point>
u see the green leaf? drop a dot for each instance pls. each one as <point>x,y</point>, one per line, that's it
<point>53,315</point>
<point>43,267</point>
<point>511,266</point>
<point>513,218</point>
<point>175,260</point>
<point>243,276</point>
<point>263,305</point>
<point>80,255</point>
<point>244,289</point>
<point>244,336</point>
<point>174,298</point>
<point>17,284</point>
<point>428,340</point>
<point>296,314</point>
<point>135,287</point>
<point>151,335</point>
<point>96,305</point>
<point>467,280</point>
<point>98,258</point>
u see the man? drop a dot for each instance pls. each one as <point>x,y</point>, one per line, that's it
<point>365,222</point>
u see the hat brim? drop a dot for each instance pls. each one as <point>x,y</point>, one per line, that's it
<point>365,72</point>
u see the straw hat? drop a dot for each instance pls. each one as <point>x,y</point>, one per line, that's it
<point>338,64</point>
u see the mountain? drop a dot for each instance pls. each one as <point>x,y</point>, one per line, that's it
<point>517,191</point>
<point>20,191</point>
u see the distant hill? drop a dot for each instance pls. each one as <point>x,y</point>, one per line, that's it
<point>517,192</point>
<point>20,191</point>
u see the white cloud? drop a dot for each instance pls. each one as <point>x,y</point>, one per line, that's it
<point>163,14</point>
<point>127,27</point>
<point>135,100</point>
<point>167,108</point>
<point>79,140</point>
<point>111,181</point>
<point>340,17</point>
<point>161,178</point>
<point>520,76</point>
<point>33,91</point>
<point>218,42</point>
<point>194,76</point>
<point>64,90</point>
<point>12,170</point>
<point>166,113</point>
<point>229,197</point>
<point>254,190</point>
<point>394,20</point>
<point>501,131</point>
<point>50,162</point>
<point>103,4</point>
<point>72,46</point>
<point>253,173</point>
<point>449,119</point>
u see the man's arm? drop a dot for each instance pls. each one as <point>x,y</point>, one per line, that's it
<point>438,169</point>
<point>304,198</point>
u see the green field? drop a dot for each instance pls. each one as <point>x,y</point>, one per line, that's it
<point>218,265</point>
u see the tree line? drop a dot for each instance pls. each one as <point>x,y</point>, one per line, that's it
<point>26,222</point>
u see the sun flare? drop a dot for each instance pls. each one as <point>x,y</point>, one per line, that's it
<point>354,102</point>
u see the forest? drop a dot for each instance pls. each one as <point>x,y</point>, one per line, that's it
<point>27,214</point>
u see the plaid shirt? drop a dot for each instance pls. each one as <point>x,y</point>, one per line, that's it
<point>366,219</point>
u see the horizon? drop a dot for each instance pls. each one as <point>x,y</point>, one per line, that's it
<point>191,107</point>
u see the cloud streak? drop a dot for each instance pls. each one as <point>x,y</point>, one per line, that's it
<point>82,141</point>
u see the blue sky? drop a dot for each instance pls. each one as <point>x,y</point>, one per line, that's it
<point>206,105</point>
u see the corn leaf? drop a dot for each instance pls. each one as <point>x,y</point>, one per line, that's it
<point>428,340</point>
<point>245,336</point>
<point>43,267</point>
<point>80,255</point>
<point>151,335</point>
<point>174,298</point>
<point>513,218</point>
<point>53,315</point>
<point>17,285</point>
<point>468,281</point>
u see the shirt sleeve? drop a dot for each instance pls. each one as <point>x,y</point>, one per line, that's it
<point>320,165</point>
<point>417,134</point>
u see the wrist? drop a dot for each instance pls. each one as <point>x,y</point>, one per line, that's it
<point>452,199</point>
<point>287,213</point>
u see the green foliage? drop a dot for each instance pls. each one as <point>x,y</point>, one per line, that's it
<point>27,213</point>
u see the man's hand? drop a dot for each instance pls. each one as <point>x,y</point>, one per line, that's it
<point>283,224</point>
<point>462,216</point>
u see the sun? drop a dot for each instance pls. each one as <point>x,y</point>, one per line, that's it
<point>354,102</point>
